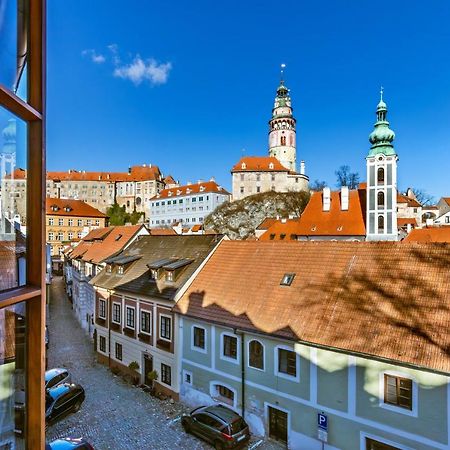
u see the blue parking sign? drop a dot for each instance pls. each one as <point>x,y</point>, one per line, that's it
<point>322,421</point>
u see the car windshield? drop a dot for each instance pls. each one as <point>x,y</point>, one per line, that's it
<point>238,425</point>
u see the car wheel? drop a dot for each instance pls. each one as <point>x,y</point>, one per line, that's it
<point>77,407</point>
<point>186,426</point>
<point>218,445</point>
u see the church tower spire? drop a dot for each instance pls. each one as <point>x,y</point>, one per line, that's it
<point>282,135</point>
<point>381,220</point>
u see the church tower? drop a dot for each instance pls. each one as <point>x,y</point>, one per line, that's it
<point>282,128</point>
<point>381,219</point>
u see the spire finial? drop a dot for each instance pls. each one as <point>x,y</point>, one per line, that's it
<point>381,93</point>
<point>283,66</point>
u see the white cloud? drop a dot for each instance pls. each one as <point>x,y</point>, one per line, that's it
<point>95,57</point>
<point>114,49</point>
<point>140,70</point>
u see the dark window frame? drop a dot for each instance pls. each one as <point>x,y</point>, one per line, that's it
<point>229,346</point>
<point>166,374</point>
<point>402,386</point>
<point>287,362</point>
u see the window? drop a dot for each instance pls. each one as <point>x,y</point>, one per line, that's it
<point>283,140</point>
<point>118,351</point>
<point>88,222</point>
<point>371,444</point>
<point>145,322</point>
<point>51,236</point>
<point>287,279</point>
<point>60,222</point>
<point>256,355</point>
<point>108,268</point>
<point>199,337</point>
<point>166,374</point>
<point>165,329</point>
<point>380,224</point>
<point>187,377</point>
<point>97,222</point>
<point>287,362</point>
<point>102,343</point>
<point>80,222</point>
<point>242,190</point>
<point>51,221</point>
<point>102,309</point>
<point>273,177</point>
<point>130,317</point>
<point>70,235</point>
<point>79,234</point>
<point>380,175</point>
<point>229,346</point>
<point>398,391</point>
<point>116,313</point>
<point>60,236</point>
<point>223,394</point>
<point>120,270</point>
<point>380,197</point>
<point>258,189</point>
<point>169,275</point>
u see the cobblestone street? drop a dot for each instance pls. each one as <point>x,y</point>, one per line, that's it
<point>114,415</point>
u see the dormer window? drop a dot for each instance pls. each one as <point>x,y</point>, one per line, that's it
<point>243,166</point>
<point>287,279</point>
<point>178,192</point>
<point>202,188</point>
<point>108,268</point>
<point>170,194</point>
<point>271,166</point>
<point>154,274</point>
<point>169,275</point>
<point>120,270</point>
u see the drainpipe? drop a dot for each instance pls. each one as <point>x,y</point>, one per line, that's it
<point>242,370</point>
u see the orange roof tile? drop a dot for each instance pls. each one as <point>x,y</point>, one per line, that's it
<point>446,200</point>
<point>96,251</point>
<point>412,203</point>
<point>282,230</point>
<point>259,164</point>
<point>403,221</point>
<point>266,223</point>
<point>344,295</point>
<point>197,188</point>
<point>432,234</point>
<point>162,232</point>
<point>70,207</point>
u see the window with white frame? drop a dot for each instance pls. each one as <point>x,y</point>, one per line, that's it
<point>223,394</point>
<point>102,309</point>
<point>51,221</point>
<point>198,338</point>
<point>287,362</point>
<point>80,222</point>
<point>256,354</point>
<point>51,236</point>
<point>60,222</point>
<point>130,317</point>
<point>166,374</point>
<point>70,235</point>
<point>146,321</point>
<point>70,222</point>
<point>398,391</point>
<point>187,377</point>
<point>117,313</point>
<point>229,346</point>
<point>120,270</point>
<point>165,327</point>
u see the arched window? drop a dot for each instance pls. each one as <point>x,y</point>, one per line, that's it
<point>256,355</point>
<point>380,198</point>
<point>223,394</point>
<point>283,140</point>
<point>380,224</point>
<point>380,176</point>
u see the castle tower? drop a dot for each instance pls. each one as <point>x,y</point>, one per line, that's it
<point>282,137</point>
<point>381,219</point>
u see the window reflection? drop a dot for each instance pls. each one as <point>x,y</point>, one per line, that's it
<point>12,201</point>
<point>12,377</point>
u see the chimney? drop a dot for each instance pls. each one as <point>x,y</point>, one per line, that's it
<point>212,179</point>
<point>302,167</point>
<point>344,198</point>
<point>129,170</point>
<point>144,165</point>
<point>283,220</point>
<point>150,165</point>
<point>326,198</point>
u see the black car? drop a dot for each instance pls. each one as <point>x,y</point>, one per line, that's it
<point>69,444</point>
<point>219,425</point>
<point>62,400</point>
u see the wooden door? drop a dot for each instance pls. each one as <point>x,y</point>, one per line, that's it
<point>148,367</point>
<point>278,425</point>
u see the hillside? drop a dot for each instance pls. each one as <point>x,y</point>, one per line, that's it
<point>239,219</point>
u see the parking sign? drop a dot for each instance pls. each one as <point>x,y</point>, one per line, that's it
<point>322,421</point>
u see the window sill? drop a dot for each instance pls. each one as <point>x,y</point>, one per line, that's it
<point>295,379</point>
<point>229,359</point>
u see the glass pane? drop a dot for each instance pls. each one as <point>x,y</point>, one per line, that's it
<point>12,376</point>
<point>13,43</point>
<point>13,201</point>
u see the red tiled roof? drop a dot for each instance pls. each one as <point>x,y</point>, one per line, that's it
<point>432,234</point>
<point>316,222</point>
<point>282,230</point>
<point>403,221</point>
<point>345,295</point>
<point>169,180</point>
<point>259,164</point>
<point>162,232</point>
<point>137,173</point>
<point>113,242</point>
<point>446,200</point>
<point>412,203</point>
<point>266,223</point>
<point>70,207</point>
<point>197,188</point>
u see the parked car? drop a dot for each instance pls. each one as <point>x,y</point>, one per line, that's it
<point>62,400</point>
<point>69,444</point>
<point>54,377</point>
<point>217,424</point>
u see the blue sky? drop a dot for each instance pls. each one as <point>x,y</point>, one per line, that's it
<point>189,85</point>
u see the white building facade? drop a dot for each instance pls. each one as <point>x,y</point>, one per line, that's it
<point>188,205</point>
